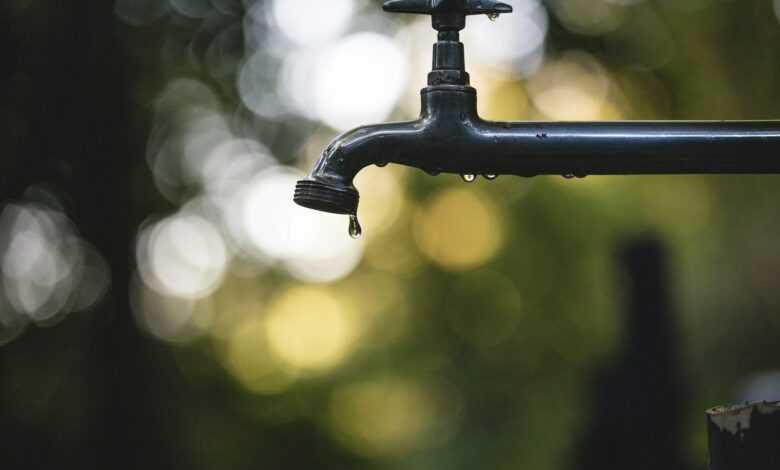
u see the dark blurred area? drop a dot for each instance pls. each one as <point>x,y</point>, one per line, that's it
<point>164,304</point>
<point>641,397</point>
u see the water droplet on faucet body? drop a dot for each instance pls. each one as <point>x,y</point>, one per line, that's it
<point>469,178</point>
<point>355,230</point>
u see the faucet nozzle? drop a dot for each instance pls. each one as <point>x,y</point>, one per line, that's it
<point>327,196</point>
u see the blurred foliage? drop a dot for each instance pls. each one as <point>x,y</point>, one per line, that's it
<point>463,331</point>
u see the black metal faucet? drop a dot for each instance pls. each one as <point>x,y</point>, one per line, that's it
<point>450,137</point>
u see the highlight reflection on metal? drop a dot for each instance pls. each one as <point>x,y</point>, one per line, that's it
<point>450,137</point>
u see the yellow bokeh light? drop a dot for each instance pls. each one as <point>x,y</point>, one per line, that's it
<point>383,305</point>
<point>238,300</point>
<point>459,229</point>
<point>394,253</point>
<point>391,416</point>
<point>308,328</point>
<point>508,101</point>
<point>591,17</point>
<point>380,207</point>
<point>573,88</point>
<point>250,361</point>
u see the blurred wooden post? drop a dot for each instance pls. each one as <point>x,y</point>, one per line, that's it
<point>745,437</point>
<point>643,382</point>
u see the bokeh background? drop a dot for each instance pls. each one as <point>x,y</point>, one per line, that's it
<point>163,304</point>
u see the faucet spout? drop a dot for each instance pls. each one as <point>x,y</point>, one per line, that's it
<point>426,144</point>
<point>330,187</point>
<point>450,137</point>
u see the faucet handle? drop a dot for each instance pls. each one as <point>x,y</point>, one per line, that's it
<point>448,15</point>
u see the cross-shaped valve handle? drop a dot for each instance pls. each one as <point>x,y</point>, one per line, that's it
<point>448,15</point>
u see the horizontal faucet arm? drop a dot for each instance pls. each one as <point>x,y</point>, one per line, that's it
<point>630,147</point>
<point>450,137</point>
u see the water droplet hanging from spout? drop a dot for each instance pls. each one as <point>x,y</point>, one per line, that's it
<point>569,176</point>
<point>469,178</point>
<point>490,177</point>
<point>493,16</point>
<point>355,230</point>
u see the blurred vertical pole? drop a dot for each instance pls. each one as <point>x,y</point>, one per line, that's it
<point>638,414</point>
<point>134,417</point>
<point>745,437</point>
<point>87,114</point>
<point>83,141</point>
